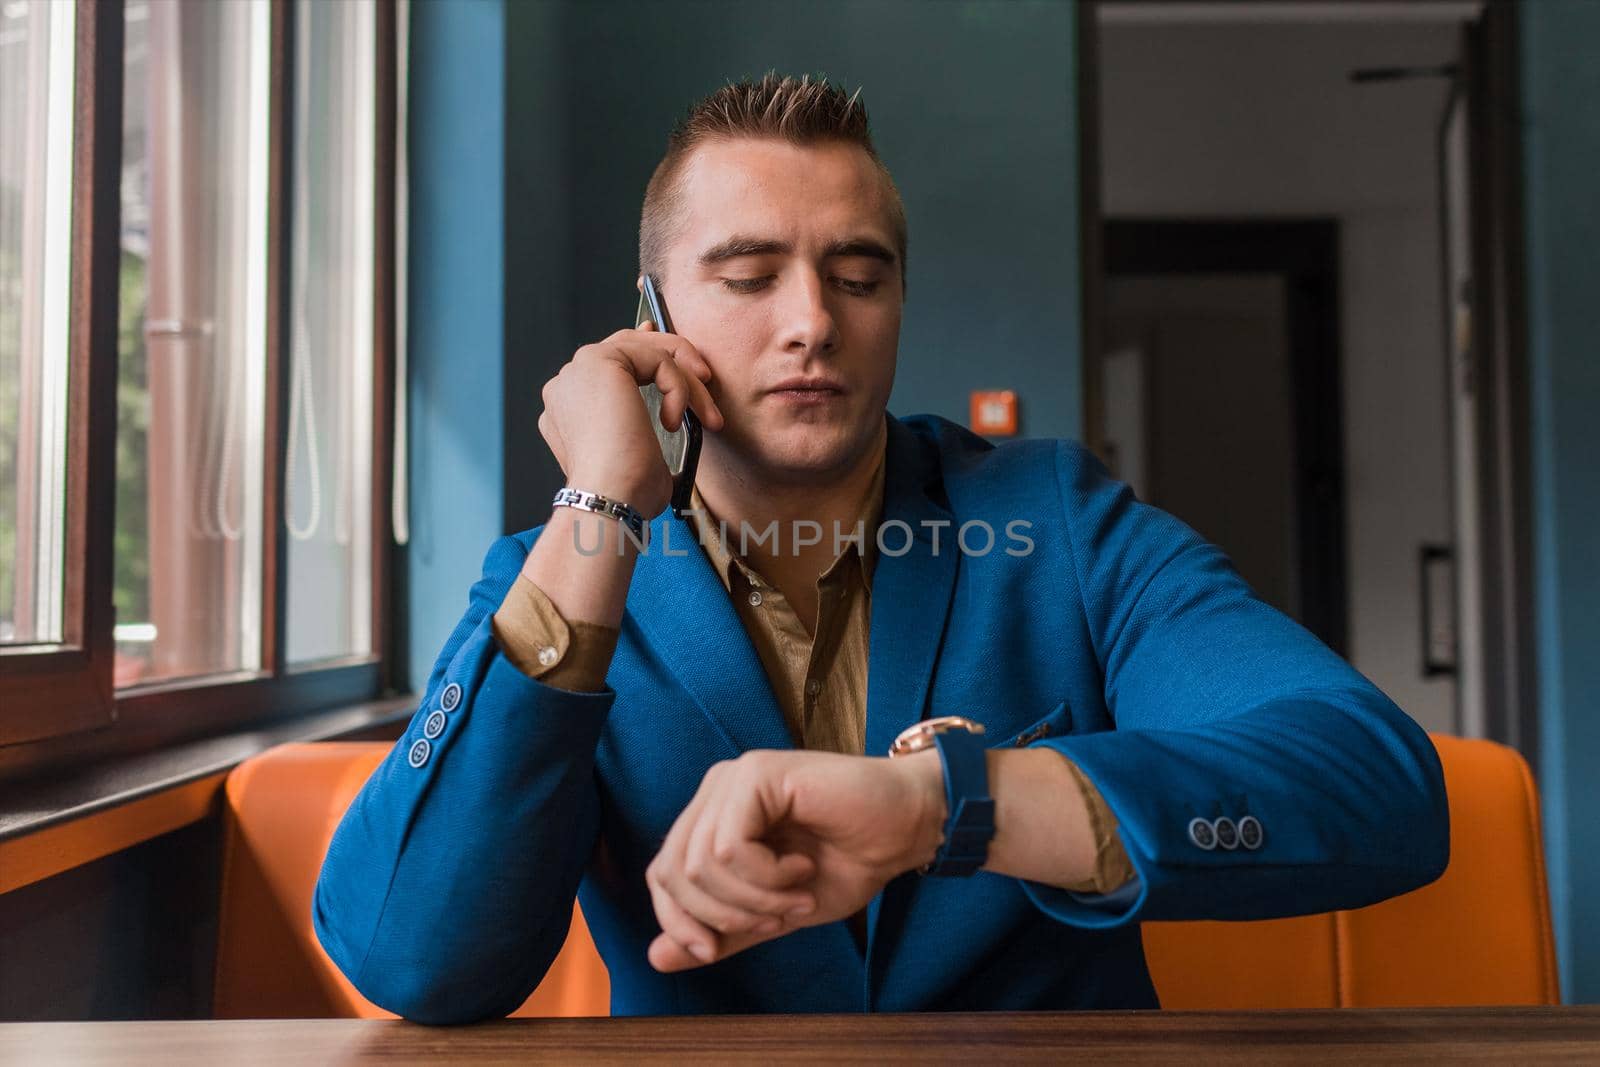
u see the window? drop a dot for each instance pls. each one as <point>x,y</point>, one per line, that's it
<point>196,324</point>
<point>36,84</point>
<point>328,469</point>
<point>191,340</point>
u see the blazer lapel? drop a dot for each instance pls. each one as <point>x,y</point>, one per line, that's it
<point>911,595</point>
<point>911,590</point>
<point>685,613</point>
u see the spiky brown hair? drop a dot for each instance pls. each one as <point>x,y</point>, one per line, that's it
<point>802,111</point>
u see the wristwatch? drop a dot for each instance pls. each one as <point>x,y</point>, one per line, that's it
<point>969,826</point>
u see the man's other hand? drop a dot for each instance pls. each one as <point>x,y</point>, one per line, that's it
<point>774,841</point>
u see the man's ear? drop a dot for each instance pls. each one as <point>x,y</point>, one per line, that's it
<point>638,283</point>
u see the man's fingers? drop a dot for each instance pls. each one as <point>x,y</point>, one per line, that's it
<point>691,937</point>
<point>673,381</point>
<point>641,350</point>
<point>736,838</point>
<point>741,836</point>
<point>645,357</point>
<point>711,912</point>
<point>678,868</point>
<point>691,360</point>
<point>784,900</point>
<point>718,870</point>
<point>687,872</point>
<point>720,884</point>
<point>758,865</point>
<point>680,389</point>
<point>795,868</point>
<point>667,956</point>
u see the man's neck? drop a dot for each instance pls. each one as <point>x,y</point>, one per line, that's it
<point>745,500</point>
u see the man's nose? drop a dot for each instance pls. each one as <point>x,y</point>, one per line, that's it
<point>809,323</point>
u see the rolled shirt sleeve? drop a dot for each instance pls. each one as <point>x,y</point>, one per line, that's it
<point>1112,869</point>
<point>539,642</point>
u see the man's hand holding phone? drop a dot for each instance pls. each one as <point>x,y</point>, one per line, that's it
<point>598,426</point>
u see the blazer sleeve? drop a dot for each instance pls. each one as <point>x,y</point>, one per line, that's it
<point>1225,707</point>
<point>449,884</point>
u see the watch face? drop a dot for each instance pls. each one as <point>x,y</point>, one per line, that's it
<point>919,736</point>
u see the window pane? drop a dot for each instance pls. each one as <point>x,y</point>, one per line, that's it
<point>192,339</point>
<point>36,80</point>
<point>328,484</point>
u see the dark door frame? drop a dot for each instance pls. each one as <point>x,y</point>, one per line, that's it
<point>1305,254</point>
<point>1511,668</point>
<point>1501,419</point>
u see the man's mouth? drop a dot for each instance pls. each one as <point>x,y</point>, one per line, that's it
<point>808,388</point>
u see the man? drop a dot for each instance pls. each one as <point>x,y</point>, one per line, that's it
<point>696,728</point>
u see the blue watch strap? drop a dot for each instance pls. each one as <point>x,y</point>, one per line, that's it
<point>969,826</point>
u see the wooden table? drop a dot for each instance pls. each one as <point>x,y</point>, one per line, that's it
<point>1503,1035</point>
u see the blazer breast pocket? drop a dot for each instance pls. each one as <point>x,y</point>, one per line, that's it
<point>1057,723</point>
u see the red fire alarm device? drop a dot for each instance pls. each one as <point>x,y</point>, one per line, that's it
<point>994,412</point>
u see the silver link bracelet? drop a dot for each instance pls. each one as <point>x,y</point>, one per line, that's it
<point>585,501</point>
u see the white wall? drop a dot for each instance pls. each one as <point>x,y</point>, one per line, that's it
<point>1250,121</point>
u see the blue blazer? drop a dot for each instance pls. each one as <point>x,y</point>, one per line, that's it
<point>1122,640</point>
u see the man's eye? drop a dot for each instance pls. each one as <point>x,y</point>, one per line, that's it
<point>856,288</point>
<point>746,285</point>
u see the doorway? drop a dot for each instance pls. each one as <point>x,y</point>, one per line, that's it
<point>1220,370</point>
<point>1335,473</point>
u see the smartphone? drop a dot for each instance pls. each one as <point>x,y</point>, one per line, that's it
<point>680,447</point>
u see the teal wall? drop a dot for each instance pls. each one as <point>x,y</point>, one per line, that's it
<point>1561,129</point>
<point>457,179</point>
<point>539,277</point>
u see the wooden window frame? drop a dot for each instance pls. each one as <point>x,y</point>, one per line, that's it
<point>60,705</point>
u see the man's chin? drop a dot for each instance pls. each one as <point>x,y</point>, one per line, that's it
<point>780,452</point>
<point>809,457</point>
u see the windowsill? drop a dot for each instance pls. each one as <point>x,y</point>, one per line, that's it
<point>54,824</point>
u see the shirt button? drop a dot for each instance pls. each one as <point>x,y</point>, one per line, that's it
<point>814,686</point>
<point>450,697</point>
<point>434,726</point>
<point>419,753</point>
<point>755,598</point>
<point>1203,834</point>
<point>548,656</point>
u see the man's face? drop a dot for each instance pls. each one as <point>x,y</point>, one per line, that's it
<point>784,273</point>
